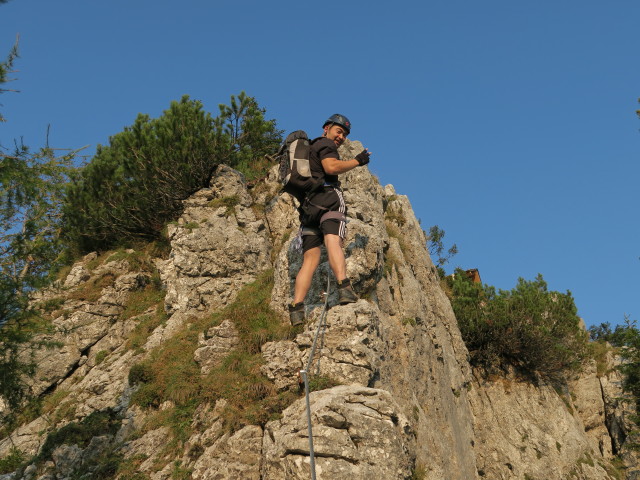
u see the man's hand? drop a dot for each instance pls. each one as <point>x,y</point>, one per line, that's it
<point>363,157</point>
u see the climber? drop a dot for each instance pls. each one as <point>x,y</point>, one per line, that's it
<point>323,215</point>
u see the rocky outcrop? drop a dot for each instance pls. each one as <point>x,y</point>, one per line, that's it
<point>586,393</point>
<point>358,433</point>
<point>215,344</point>
<point>218,245</point>
<point>400,399</point>
<point>524,430</point>
<point>87,312</point>
<point>536,430</point>
<point>237,455</point>
<point>404,339</point>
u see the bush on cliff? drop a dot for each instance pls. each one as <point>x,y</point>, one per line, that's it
<point>137,183</point>
<point>625,339</point>
<point>529,327</point>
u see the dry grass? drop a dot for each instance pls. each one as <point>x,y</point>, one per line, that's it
<point>91,290</point>
<point>140,301</point>
<point>173,375</point>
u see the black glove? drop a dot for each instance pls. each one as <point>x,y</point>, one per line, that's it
<point>363,157</point>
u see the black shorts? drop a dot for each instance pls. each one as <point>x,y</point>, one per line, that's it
<point>323,213</point>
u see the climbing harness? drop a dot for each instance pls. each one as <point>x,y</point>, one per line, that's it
<point>305,377</point>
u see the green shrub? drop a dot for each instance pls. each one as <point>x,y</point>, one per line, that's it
<point>529,327</point>
<point>599,351</point>
<point>52,405</point>
<point>100,356</point>
<point>129,468</point>
<point>66,411</point>
<point>98,423</point>
<point>179,472</point>
<point>52,304</point>
<point>615,468</point>
<point>409,321</point>
<point>140,373</point>
<point>620,336</point>
<point>419,473</point>
<point>12,462</point>
<point>191,225</point>
<point>134,186</point>
<point>139,258</point>
<point>147,396</point>
<point>16,339</point>
<point>91,290</point>
<point>395,215</point>
<point>248,136</point>
<point>436,248</point>
<point>146,325</point>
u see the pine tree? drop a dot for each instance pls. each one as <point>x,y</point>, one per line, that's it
<point>250,137</point>
<point>136,184</point>
<point>435,244</point>
<point>6,68</point>
<point>31,191</point>
<point>32,186</point>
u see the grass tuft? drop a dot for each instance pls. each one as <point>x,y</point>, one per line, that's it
<point>171,374</point>
<point>229,203</point>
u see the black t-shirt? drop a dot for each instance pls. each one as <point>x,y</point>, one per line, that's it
<point>322,148</point>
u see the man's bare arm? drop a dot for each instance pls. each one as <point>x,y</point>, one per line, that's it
<point>333,166</point>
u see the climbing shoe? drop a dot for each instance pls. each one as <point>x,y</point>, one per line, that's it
<point>346,293</point>
<point>296,314</point>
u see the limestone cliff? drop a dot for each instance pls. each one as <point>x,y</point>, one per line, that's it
<point>407,404</point>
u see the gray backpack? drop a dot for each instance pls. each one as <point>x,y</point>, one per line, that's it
<point>295,171</point>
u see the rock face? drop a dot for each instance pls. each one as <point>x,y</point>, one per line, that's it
<point>407,403</point>
<point>215,345</point>
<point>358,433</point>
<point>528,431</point>
<point>217,246</point>
<point>232,456</point>
<point>405,339</point>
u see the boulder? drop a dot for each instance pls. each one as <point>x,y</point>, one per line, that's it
<point>358,433</point>
<point>217,246</point>
<point>215,345</point>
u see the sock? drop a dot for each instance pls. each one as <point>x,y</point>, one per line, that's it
<point>344,283</point>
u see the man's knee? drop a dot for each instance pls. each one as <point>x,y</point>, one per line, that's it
<point>311,257</point>
<point>332,241</point>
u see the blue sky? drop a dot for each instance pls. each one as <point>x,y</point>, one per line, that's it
<point>511,125</point>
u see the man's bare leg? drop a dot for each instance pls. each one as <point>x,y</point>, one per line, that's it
<point>310,261</point>
<point>339,267</point>
<point>337,261</point>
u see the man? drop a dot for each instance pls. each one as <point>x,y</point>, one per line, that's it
<point>323,215</point>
